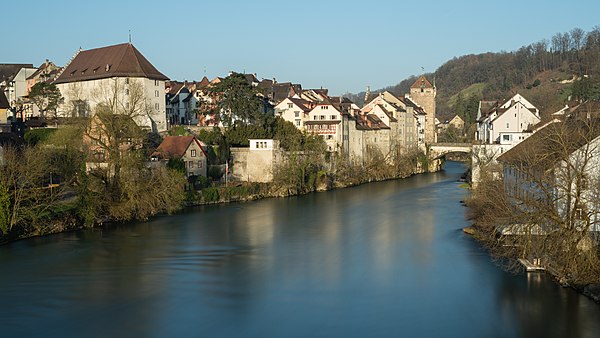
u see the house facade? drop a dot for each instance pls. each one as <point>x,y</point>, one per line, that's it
<point>559,165</point>
<point>117,75</point>
<point>182,106</point>
<point>325,119</point>
<point>295,110</point>
<point>186,148</point>
<point>508,123</point>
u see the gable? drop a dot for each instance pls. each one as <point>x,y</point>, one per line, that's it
<point>523,114</point>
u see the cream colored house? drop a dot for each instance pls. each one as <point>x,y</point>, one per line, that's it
<point>187,148</point>
<point>325,119</point>
<point>294,110</point>
<point>118,75</point>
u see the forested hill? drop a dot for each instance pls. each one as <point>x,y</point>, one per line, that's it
<point>544,72</point>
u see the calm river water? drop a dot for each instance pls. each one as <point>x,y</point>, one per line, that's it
<point>380,260</point>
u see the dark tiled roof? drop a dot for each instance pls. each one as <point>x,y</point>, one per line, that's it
<point>173,86</point>
<point>122,60</point>
<point>3,101</point>
<point>553,143</point>
<point>422,82</point>
<point>303,104</point>
<point>9,70</point>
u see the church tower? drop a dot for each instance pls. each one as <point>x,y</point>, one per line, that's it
<point>422,92</point>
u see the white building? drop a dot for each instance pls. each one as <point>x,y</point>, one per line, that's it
<point>559,165</point>
<point>294,110</point>
<point>118,74</point>
<point>17,86</point>
<point>182,107</point>
<point>509,123</point>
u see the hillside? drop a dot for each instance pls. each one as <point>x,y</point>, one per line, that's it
<point>543,72</point>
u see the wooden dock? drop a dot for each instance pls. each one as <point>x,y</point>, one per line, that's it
<point>530,267</point>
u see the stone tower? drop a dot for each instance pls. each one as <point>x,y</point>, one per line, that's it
<point>422,92</point>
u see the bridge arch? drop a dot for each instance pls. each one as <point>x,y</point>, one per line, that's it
<point>438,151</point>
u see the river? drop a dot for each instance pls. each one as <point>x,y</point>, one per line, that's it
<point>385,259</point>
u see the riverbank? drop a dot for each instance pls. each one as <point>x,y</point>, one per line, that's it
<point>591,290</point>
<point>231,193</point>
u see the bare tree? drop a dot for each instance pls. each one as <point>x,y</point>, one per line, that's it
<point>547,208</point>
<point>116,159</point>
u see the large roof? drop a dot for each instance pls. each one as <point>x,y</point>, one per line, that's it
<point>122,60</point>
<point>553,143</point>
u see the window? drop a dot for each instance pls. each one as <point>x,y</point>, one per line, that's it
<point>330,137</point>
<point>333,117</point>
<point>297,123</point>
<point>156,82</point>
<point>156,106</point>
<point>507,125</point>
<point>191,163</point>
<point>315,117</point>
<point>193,153</point>
<point>322,117</point>
<point>506,137</point>
<point>156,93</point>
<point>296,114</point>
<point>199,164</point>
<point>126,91</point>
<point>290,105</point>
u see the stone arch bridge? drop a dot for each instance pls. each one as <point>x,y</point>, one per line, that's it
<point>438,151</point>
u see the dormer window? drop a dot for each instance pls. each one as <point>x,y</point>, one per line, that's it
<point>107,68</point>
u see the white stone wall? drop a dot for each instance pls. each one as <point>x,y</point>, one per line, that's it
<point>256,163</point>
<point>152,112</point>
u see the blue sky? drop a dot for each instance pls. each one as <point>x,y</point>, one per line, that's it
<point>341,45</point>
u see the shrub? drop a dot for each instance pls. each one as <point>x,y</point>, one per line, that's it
<point>210,194</point>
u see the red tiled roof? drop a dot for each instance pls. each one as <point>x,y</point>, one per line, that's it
<point>122,60</point>
<point>176,146</point>
<point>422,82</point>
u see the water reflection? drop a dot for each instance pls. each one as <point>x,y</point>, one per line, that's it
<point>380,260</point>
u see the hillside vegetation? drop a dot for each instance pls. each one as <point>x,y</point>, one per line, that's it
<point>545,72</point>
